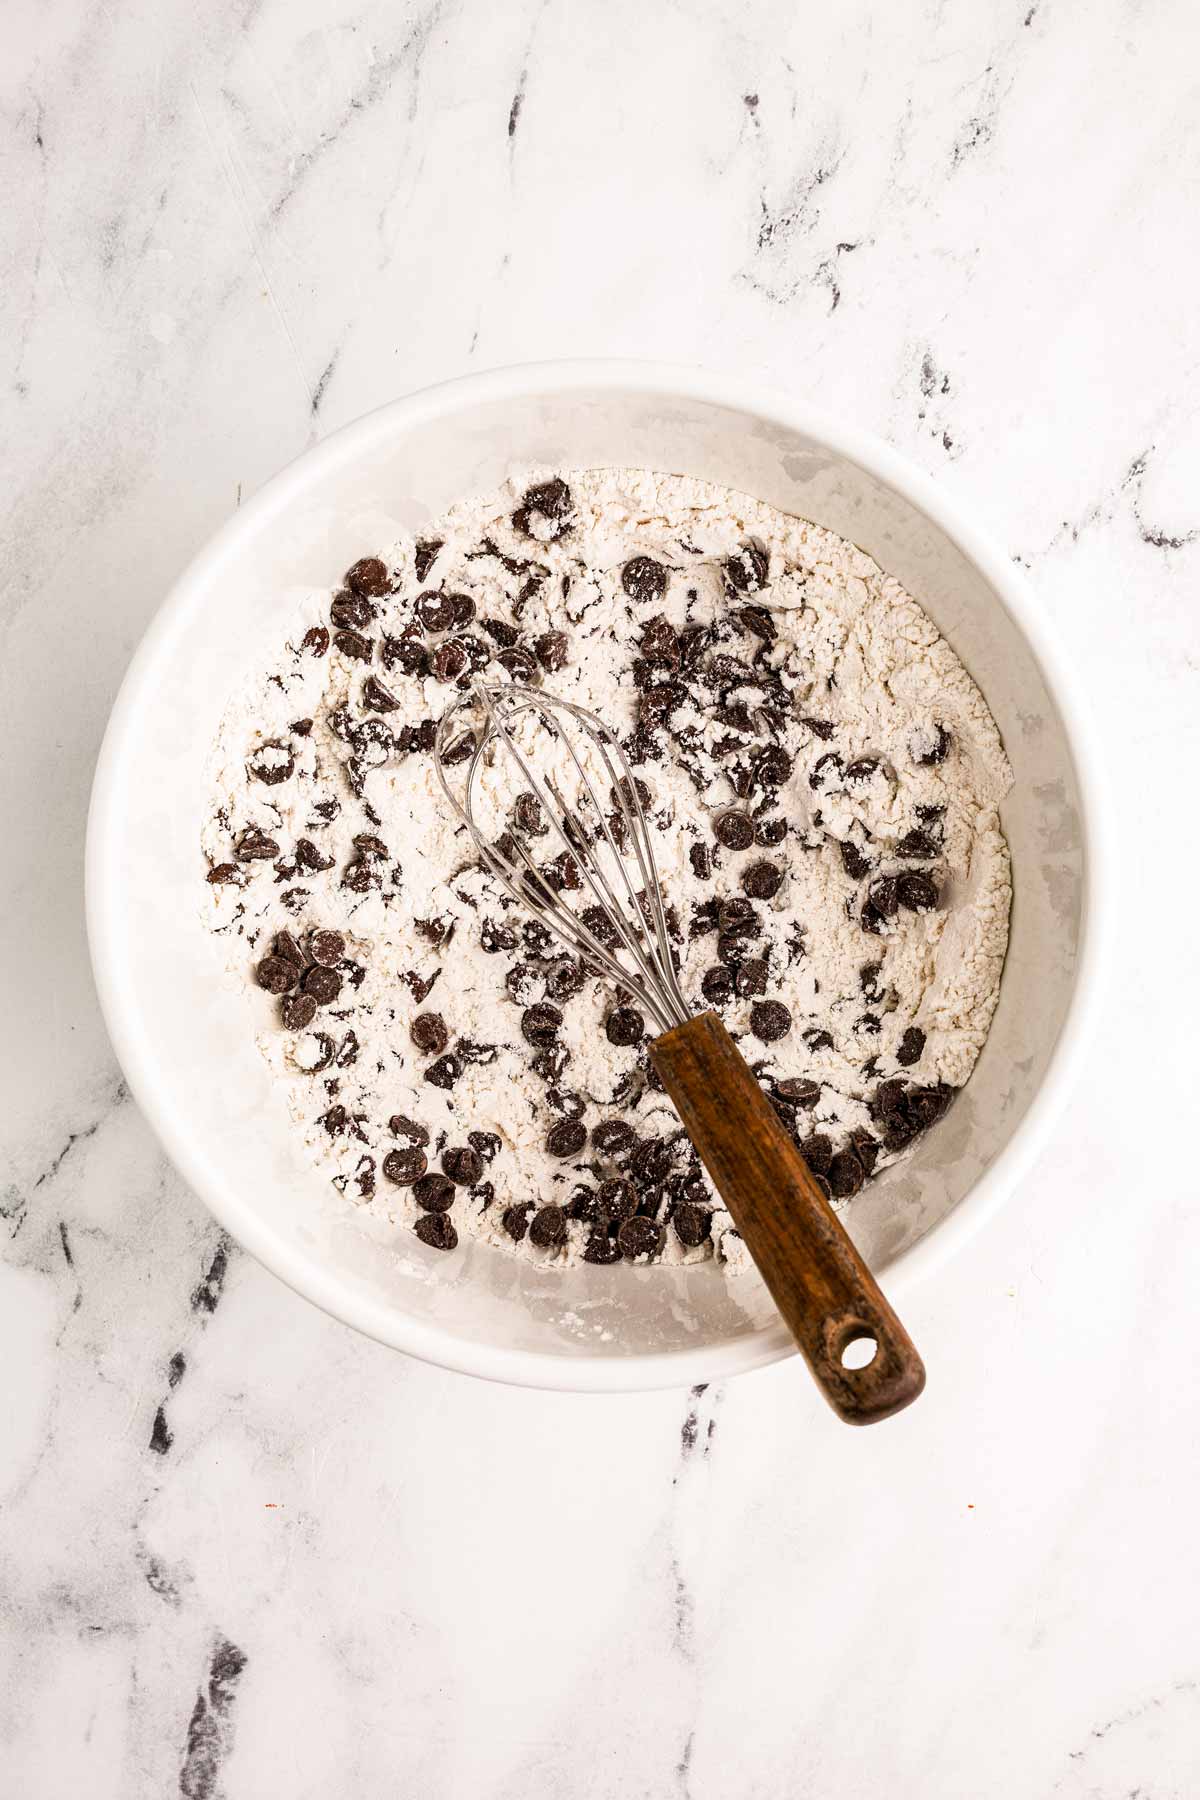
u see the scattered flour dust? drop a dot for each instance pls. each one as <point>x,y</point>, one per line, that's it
<point>785,702</point>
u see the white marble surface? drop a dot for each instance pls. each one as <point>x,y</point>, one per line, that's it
<point>229,228</point>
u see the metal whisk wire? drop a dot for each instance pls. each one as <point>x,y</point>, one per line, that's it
<point>652,980</point>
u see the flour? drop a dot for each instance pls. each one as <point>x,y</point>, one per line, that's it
<point>787,691</point>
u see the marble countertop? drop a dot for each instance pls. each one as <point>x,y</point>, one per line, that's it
<point>244,1553</point>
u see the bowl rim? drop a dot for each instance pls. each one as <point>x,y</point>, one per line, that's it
<point>649,379</point>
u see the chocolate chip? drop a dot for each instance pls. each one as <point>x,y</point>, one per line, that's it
<point>856,865</point>
<point>759,621</point>
<point>868,1024</point>
<point>884,897</point>
<point>769,832</point>
<point>932,747</point>
<point>408,1130</point>
<point>762,880</point>
<point>462,608</point>
<point>425,555</point>
<point>255,846</point>
<point>540,1024</point>
<point>826,772</point>
<point>820,728</point>
<point>611,1136</point>
<point>548,1227</point>
<point>770,1020</point>
<point>376,697</point>
<point>639,1236</point>
<point>798,1091</point>
<point>750,977</point>
<point>660,643</point>
<point>734,830</point>
<point>225,872</point>
<point>298,1011</point>
<point>917,846</point>
<point>433,1192</point>
<point>437,1230</point>
<point>429,1033</point>
<point>323,984</point>
<point>486,1143</point>
<point>845,1175</point>
<point>315,640</point>
<point>515,1220</point>
<point>271,763</point>
<point>701,860</point>
<point>861,771</point>
<point>644,579</point>
<point>327,948</point>
<point>464,1167</point>
<point>551,650</point>
<point>866,1149</point>
<point>772,766</point>
<point>564,979</point>
<point>817,1152</point>
<point>746,569</point>
<point>405,1166</point>
<point>651,1162</point>
<point>354,645</point>
<point>408,652</point>
<point>276,974</point>
<point>737,918</point>
<point>625,1027</point>
<point>567,1138</point>
<point>361,875</point>
<point>520,664</point>
<point>435,611</point>
<point>448,661</point>
<point>368,576</point>
<point>350,612</point>
<point>618,1198</point>
<point>693,1224</point>
<point>549,501</point>
<point>917,891</point>
<point>717,985</point>
<point>601,1249</point>
<point>911,1047</point>
<point>815,1039</point>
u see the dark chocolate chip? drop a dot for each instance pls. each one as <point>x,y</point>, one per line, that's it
<point>462,608</point>
<point>361,875</point>
<point>820,728</point>
<point>611,1136</point>
<point>917,891</point>
<point>354,645</point>
<point>271,763</point>
<point>298,1011</point>
<point>618,1198</point>
<point>551,650</point>
<point>750,977</point>
<point>845,1175</point>
<point>515,1220</point>
<point>549,501</point>
<point>815,1039</point>
<point>464,1167</point>
<point>856,865</point>
<point>434,1192</point>
<point>486,1143</point>
<point>255,846</point>
<point>797,1090</point>
<point>734,830</point>
<point>884,897</point>
<point>917,846</point>
<point>769,832</point>
<point>315,640</point>
<point>405,1166</point>
<point>376,697</point>
<point>222,873</point>
<point>368,576</point>
<point>700,858</point>
<point>639,1236</point>
<point>408,652</point>
<point>409,1131</point>
<point>770,1020</point>
<point>759,621</point>
<point>601,1249</point>
<point>717,985</point>
<point>548,1227</point>
<point>772,766</point>
<point>350,612</point>
<point>323,984</point>
<point>430,1034</point>
<point>644,579</point>
<point>826,772</point>
<point>762,880</point>
<point>911,1048</point>
<point>625,1027</point>
<point>862,770</point>
<point>425,555</point>
<point>693,1224</point>
<point>567,1138</point>
<point>520,664</point>
<point>437,1230</point>
<point>448,661</point>
<point>277,975</point>
<point>817,1152</point>
<point>932,747</point>
<point>746,569</point>
<point>435,611</point>
<point>540,1024</point>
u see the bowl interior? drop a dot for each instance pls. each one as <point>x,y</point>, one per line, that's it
<point>184,1037</point>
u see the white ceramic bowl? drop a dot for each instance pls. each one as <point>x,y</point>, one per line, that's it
<point>183,1038</point>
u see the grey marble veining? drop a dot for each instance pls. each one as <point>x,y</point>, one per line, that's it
<point>246,1554</point>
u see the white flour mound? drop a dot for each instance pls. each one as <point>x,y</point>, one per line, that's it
<point>854,674</point>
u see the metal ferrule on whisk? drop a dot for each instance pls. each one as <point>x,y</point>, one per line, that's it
<point>641,959</point>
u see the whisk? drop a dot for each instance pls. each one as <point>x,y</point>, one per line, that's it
<point>518,765</point>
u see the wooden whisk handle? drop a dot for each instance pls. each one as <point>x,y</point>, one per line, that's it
<point>827,1295</point>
